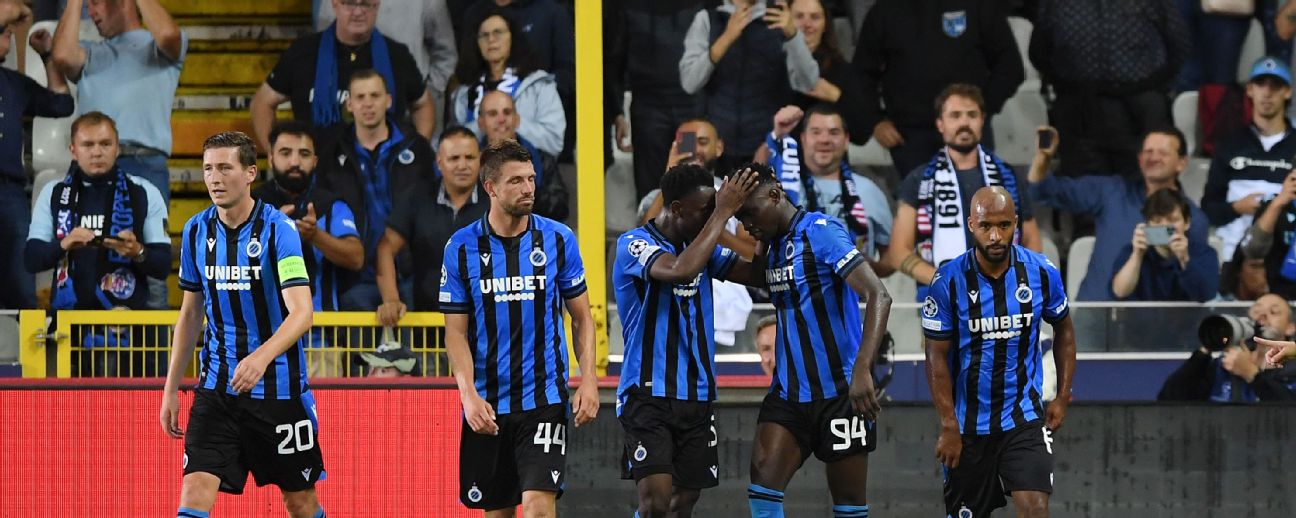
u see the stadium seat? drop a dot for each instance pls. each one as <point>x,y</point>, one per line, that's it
<point>1051,250</point>
<point>8,339</point>
<point>1021,30</point>
<point>1078,262</point>
<point>1014,127</point>
<point>1193,179</point>
<point>1218,245</point>
<point>901,287</point>
<point>619,198</point>
<point>1252,50</point>
<point>50,137</point>
<point>1184,113</point>
<point>44,177</point>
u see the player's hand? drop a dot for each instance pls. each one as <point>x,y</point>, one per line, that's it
<point>886,134</point>
<point>1139,241</point>
<point>249,371</point>
<point>1279,351</point>
<point>307,225</point>
<point>390,312</point>
<point>786,119</point>
<point>1248,204</point>
<point>1056,412</point>
<point>863,396</point>
<point>169,417</point>
<point>949,447</point>
<point>585,403</point>
<point>734,192</point>
<point>77,238</point>
<point>779,17</point>
<point>479,414</point>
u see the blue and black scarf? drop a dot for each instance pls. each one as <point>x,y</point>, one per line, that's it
<point>324,104</point>
<point>119,277</point>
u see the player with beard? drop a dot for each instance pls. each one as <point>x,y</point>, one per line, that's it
<point>929,230</point>
<point>982,318</point>
<point>823,399</point>
<point>504,282</point>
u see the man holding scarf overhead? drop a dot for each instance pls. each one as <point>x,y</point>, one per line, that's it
<point>313,74</point>
<point>931,222</point>
<point>102,230</point>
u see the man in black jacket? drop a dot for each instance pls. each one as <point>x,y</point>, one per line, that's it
<point>1111,65</point>
<point>908,51</point>
<point>1239,375</point>
<point>374,163</point>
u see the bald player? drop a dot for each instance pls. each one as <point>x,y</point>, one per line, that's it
<point>981,319</point>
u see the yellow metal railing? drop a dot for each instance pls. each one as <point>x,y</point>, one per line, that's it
<point>138,343</point>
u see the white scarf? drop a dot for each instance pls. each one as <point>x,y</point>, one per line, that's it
<point>942,217</point>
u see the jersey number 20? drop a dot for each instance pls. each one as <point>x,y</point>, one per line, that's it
<point>847,430</point>
<point>299,436</point>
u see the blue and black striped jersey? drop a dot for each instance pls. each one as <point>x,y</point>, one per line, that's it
<point>669,329</point>
<point>995,358</point>
<point>240,272</point>
<point>819,328</point>
<point>512,289</point>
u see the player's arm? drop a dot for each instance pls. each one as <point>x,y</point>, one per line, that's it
<point>877,311</point>
<point>301,316</point>
<point>950,444</point>
<point>391,309</point>
<point>900,254</point>
<point>585,405</point>
<point>1064,358</point>
<point>183,340</point>
<point>479,414</point>
<point>684,267</point>
<point>750,273</point>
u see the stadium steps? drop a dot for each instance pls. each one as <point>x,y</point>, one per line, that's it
<point>233,45</point>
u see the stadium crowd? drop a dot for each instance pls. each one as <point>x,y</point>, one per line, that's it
<point>392,101</point>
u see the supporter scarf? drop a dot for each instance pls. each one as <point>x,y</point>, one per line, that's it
<point>324,103</point>
<point>1288,270</point>
<point>508,83</point>
<point>120,279</point>
<point>940,243</point>
<point>785,160</point>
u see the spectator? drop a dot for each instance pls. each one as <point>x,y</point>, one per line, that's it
<point>1272,240</point>
<point>1110,75</point>
<point>1240,374</point>
<point>831,187</point>
<point>425,29</point>
<point>766,334</point>
<point>1181,269</point>
<point>746,70</point>
<point>24,97</point>
<point>836,76</point>
<point>930,226</point>
<point>1249,167</point>
<point>426,220</point>
<point>1243,280</point>
<point>903,62</point>
<point>100,228</point>
<point>1115,203</point>
<point>500,121</point>
<point>375,162</point>
<point>111,74</point>
<point>550,30</point>
<point>312,71</point>
<point>652,31</point>
<point>505,61</point>
<point>1216,48</point>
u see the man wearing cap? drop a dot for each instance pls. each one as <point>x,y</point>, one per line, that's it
<point>390,360</point>
<point>1249,167</point>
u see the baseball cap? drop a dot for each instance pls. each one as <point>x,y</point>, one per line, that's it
<point>392,355</point>
<point>1270,66</point>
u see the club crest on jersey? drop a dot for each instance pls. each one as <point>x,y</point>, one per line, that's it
<point>954,23</point>
<point>253,248</point>
<point>474,494</point>
<point>1023,294</point>
<point>789,249</point>
<point>538,257</point>
<point>640,453</point>
<point>119,283</point>
<point>406,157</point>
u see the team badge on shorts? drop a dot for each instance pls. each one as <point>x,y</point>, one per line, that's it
<point>964,512</point>
<point>954,23</point>
<point>640,453</point>
<point>474,494</point>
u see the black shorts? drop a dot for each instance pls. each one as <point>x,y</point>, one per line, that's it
<point>664,435</point>
<point>275,439</point>
<point>994,465</point>
<point>829,428</point>
<point>529,454</point>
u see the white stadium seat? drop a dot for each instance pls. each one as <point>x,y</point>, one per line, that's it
<point>1184,113</point>
<point>1015,127</point>
<point>1078,262</point>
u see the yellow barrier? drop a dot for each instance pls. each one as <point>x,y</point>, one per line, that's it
<point>591,212</point>
<point>138,343</point>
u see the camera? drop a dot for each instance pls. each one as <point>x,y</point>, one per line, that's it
<point>1217,332</point>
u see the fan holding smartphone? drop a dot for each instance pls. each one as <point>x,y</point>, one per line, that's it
<point>1161,263</point>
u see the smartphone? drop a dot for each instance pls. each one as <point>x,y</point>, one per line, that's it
<point>687,142</point>
<point>1045,139</point>
<point>1158,235</point>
